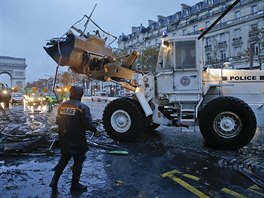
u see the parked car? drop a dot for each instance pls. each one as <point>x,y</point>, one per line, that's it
<point>100,96</point>
<point>17,98</point>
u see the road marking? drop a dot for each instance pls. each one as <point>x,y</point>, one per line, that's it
<point>189,187</point>
<point>233,193</point>
<point>191,177</point>
<point>256,190</point>
<point>171,173</point>
<point>184,184</point>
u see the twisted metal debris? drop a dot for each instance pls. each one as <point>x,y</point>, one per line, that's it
<point>25,133</point>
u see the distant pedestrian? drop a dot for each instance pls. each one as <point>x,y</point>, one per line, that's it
<point>50,103</point>
<point>73,119</point>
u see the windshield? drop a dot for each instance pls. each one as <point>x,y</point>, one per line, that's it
<point>185,54</point>
<point>17,95</point>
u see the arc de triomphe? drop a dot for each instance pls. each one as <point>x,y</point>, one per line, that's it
<point>15,68</point>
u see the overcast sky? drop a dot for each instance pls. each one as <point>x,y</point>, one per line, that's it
<point>26,25</point>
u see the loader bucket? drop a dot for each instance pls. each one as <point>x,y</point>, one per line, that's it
<point>82,54</point>
<point>66,48</point>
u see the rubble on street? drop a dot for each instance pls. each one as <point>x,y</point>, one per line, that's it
<point>24,131</point>
<point>146,168</point>
<point>31,133</point>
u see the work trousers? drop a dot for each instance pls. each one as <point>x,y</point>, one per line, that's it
<point>77,166</point>
<point>50,107</point>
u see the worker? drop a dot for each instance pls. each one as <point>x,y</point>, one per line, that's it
<point>50,103</point>
<point>189,59</point>
<point>73,119</point>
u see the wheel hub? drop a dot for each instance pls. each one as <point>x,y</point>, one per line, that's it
<point>227,124</point>
<point>121,121</point>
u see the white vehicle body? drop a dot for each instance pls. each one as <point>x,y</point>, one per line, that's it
<point>227,104</point>
<point>194,87</point>
<point>247,85</point>
<point>100,96</point>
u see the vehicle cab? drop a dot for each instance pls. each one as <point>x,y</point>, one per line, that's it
<point>180,66</point>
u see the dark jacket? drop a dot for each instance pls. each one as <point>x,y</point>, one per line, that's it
<point>73,119</point>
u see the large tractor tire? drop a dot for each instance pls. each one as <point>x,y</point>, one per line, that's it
<point>123,119</point>
<point>227,123</point>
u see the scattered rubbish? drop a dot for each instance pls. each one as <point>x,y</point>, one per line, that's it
<point>111,148</point>
<point>25,144</point>
<point>50,151</point>
<point>24,133</point>
<point>245,167</point>
<point>118,152</point>
<point>252,176</point>
<point>119,183</point>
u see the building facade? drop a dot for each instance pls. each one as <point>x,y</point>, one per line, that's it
<point>229,40</point>
<point>15,68</point>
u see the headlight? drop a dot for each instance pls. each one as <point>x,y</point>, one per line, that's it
<point>5,92</point>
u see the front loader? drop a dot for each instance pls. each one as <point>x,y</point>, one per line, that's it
<point>227,104</point>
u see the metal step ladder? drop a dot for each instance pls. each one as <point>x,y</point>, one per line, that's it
<point>188,115</point>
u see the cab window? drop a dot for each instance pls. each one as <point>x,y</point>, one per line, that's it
<point>185,55</point>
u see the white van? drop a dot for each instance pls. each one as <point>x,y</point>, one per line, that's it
<point>100,96</point>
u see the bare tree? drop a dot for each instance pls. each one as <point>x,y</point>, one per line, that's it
<point>215,57</point>
<point>66,78</point>
<point>256,40</point>
<point>118,56</point>
<point>148,59</point>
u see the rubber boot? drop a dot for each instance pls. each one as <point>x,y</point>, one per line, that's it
<point>76,186</point>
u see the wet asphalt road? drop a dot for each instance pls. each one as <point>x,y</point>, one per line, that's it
<point>172,162</point>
